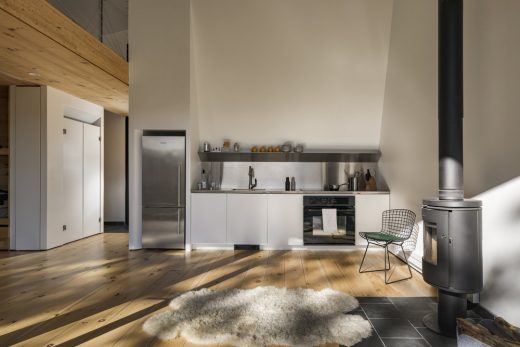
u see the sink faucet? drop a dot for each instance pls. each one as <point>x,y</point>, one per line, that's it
<point>251,175</point>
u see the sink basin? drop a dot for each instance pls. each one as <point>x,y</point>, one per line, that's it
<point>245,189</point>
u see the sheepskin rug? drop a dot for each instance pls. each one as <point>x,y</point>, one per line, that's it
<point>261,317</point>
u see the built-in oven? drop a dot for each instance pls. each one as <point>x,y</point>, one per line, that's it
<point>329,220</point>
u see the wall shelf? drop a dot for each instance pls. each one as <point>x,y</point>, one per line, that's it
<point>363,156</point>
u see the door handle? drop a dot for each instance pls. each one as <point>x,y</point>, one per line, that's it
<point>179,185</point>
<point>178,224</point>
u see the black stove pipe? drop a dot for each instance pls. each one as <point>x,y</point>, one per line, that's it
<point>451,181</point>
<point>452,304</point>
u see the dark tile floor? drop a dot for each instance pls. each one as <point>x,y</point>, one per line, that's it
<point>397,322</point>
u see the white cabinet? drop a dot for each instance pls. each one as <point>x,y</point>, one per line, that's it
<point>271,220</point>
<point>26,219</point>
<point>285,220</point>
<point>92,180</point>
<point>81,180</point>
<point>369,210</point>
<point>208,218</point>
<point>247,219</point>
<point>57,164</point>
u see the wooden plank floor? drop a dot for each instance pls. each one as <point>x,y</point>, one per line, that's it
<point>95,292</point>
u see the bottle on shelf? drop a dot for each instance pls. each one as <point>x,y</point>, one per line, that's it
<point>204,180</point>
<point>287,184</point>
<point>293,183</point>
<point>371,181</point>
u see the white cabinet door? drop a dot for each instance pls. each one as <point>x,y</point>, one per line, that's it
<point>208,218</point>
<point>369,210</point>
<point>247,219</point>
<point>284,220</point>
<point>91,180</point>
<point>72,180</point>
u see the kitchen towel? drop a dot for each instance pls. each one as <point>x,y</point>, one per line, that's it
<point>330,221</point>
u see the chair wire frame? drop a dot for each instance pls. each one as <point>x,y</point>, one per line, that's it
<point>399,224</point>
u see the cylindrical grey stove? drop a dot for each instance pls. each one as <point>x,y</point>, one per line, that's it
<point>452,260</point>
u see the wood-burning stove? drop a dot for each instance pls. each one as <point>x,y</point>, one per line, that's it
<point>452,259</point>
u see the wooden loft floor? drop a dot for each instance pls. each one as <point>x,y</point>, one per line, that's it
<point>95,291</point>
<point>40,45</point>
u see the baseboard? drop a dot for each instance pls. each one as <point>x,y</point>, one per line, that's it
<point>246,247</point>
<point>482,311</point>
<point>415,263</point>
<point>225,246</point>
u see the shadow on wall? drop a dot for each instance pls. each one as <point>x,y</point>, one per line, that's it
<point>501,249</point>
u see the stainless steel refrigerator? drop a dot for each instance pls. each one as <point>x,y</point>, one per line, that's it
<point>163,188</point>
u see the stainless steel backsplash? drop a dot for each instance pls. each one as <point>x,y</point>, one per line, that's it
<point>309,176</point>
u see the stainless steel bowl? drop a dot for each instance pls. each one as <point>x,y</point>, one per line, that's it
<point>286,147</point>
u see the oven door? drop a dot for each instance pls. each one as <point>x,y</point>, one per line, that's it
<point>313,226</point>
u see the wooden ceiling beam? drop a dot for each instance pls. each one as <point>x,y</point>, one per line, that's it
<point>40,45</point>
<point>6,80</point>
<point>49,21</point>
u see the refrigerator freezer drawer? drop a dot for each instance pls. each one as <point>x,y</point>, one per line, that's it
<point>163,228</point>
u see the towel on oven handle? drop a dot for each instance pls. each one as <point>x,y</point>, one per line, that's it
<point>330,220</point>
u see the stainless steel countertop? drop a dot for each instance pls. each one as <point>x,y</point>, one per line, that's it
<point>276,191</point>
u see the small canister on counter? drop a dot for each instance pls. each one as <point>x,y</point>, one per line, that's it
<point>293,183</point>
<point>287,184</point>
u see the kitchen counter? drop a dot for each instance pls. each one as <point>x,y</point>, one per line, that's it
<point>278,191</point>
<point>272,219</point>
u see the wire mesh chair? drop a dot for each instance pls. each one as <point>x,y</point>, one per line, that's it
<point>397,227</point>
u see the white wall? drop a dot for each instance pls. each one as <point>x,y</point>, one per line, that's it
<point>114,138</point>
<point>491,81</point>
<point>492,167</point>
<point>409,128</point>
<point>303,70</point>
<point>159,38</point>
<point>24,171</point>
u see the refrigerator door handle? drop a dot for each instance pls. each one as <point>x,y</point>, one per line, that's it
<point>179,185</point>
<point>178,225</point>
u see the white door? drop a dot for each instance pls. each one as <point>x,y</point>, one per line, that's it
<point>91,180</point>
<point>285,220</point>
<point>247,219</point>
<point>72,180</point>
<point>208,218</point>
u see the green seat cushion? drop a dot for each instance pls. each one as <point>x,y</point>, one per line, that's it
<point>380,237</point>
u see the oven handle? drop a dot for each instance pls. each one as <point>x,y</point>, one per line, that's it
<point>348,209</point>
